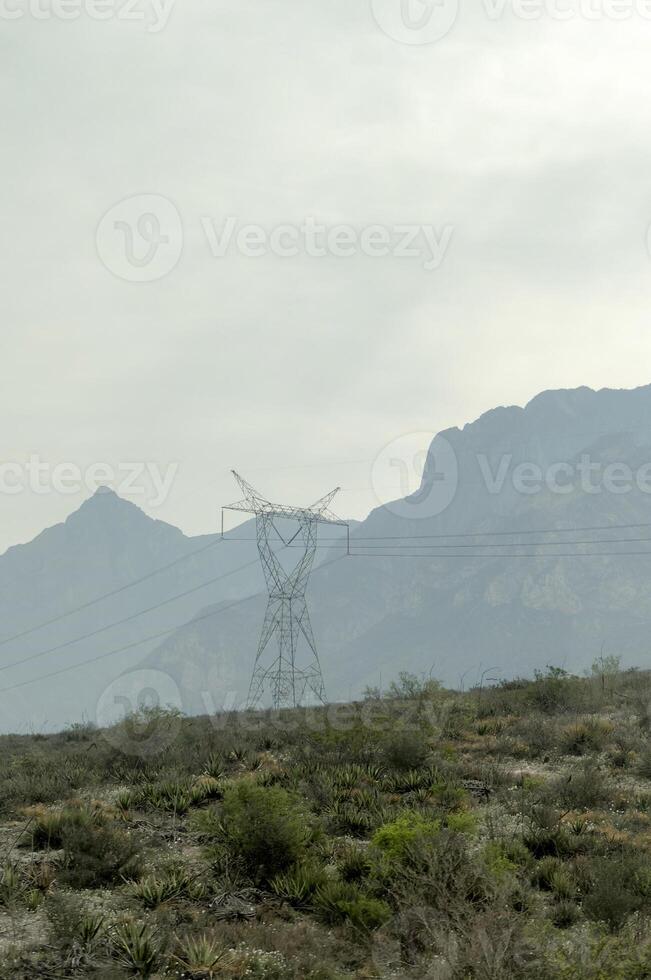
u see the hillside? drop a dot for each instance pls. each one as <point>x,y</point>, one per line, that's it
<point>500,834</point>
<point>499,598</point>
<point>104,546</point>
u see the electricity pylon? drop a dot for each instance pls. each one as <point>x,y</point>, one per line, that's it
<point>292,671</point>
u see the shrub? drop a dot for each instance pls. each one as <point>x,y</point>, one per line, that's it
<point>339,902</point>
<point>583,788</point>
<point>461,823</point>
<point>496,861</point>
<point>47,828</point>
<point>544,872</point>
<point>447,794</point>
<point>644,764</point>
<point>95,856</point>
<point>406,750</point>
<point>441,875</point>
<point>588,736</point>
<point>395,840</point>
<point>565,914</point>
<point>353,863</point>
<point>555,690</point>
<point>266,828</point>
<point>618,887</point>
<point>610,901</point>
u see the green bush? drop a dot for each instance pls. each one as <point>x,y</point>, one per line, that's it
<point>619,886</point>
<point>585,736</point>
<point>95,856</point>
<point>340,902</point>
<point>584,788</point>
<point>353,863</point>
<point>394,840</point>
<point>461,823</point>
<point>47,828</point>
<point>265,828</point>
<point>406,750</point>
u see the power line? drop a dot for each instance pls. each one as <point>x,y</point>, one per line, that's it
<point>146,639</point>
<point>123,649</point>
<point>127,619</point>
<point>575,554</point>
<point>108,595</point>
<point>483,534</point>
<point>508,544</point>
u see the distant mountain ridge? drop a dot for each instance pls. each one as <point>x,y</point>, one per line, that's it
<point>458,615</point>
<point>396,604</point>
<point>102,547</point>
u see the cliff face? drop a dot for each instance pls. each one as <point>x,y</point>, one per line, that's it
<point>424,592</point>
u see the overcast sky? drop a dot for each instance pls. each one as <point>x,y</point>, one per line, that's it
<point>522,145</point>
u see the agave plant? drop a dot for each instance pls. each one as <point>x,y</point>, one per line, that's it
<point>205,788</point>
<point>298,885</point>
<point>135,946</point>
<point>10,886</point>
<point>214,766</point>
<point>170,795</point>
<point>90,928</point>
<point>153,891</point>
<point>202,955</point>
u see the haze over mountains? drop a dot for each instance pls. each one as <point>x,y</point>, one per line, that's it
<point>100,548</point>
<point>406,600</point>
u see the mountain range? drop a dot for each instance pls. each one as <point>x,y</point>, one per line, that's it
<point>527,544</point>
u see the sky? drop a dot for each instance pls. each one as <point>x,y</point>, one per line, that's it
<point>289,238</point>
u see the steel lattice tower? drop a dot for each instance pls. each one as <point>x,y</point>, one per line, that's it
<point>295,669</point>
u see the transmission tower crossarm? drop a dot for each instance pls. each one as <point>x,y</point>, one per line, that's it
<point>322,505</point>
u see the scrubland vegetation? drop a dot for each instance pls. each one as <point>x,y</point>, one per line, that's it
<point>504,832</point>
